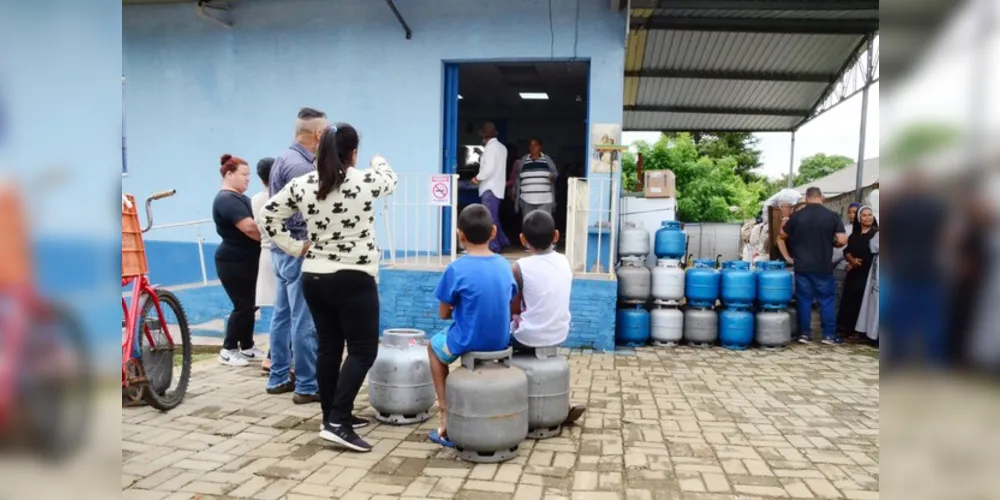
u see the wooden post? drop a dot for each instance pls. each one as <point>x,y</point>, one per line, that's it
<point>774,227</point>
<point>640,176</point>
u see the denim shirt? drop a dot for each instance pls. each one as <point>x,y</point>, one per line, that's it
<point>296,161</point>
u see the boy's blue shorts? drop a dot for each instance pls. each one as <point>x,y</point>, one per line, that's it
<point>439,344</point>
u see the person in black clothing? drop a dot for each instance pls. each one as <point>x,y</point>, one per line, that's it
<point>811,233</point>
<point>236,260</point>
<point>858,255</point>
<point>914,274</point>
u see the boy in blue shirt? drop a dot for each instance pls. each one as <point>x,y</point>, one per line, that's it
<point>475,290</point>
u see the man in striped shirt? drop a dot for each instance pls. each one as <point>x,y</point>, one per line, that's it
<point>533,179</point>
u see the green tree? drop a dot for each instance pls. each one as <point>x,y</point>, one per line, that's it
<point>708,189</point>
<point>820,165</point>
<point>920,140</point>
<point>740,146</point>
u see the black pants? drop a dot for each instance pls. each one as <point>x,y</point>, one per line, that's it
<point>344,306</point>
<point>239,279</point>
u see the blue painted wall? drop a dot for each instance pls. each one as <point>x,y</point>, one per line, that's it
<point>196,90</point>
<point>407,301</point>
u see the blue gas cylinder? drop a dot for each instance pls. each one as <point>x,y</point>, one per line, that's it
<point>671,242</point>
<point>774,285</point>
<point>701,284</point>
<point>739,284</point>
<point>632,327</point>
<point>736,329</point>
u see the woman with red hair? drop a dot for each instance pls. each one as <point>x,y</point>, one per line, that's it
<point>236,260</point>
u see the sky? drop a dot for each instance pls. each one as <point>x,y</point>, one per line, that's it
<point>835,132</point>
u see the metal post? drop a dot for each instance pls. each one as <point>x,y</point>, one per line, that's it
<point>977,144</point>
<point>454,216</point>
<point>791,164</point>
<point>864,119</point>
<point>614,230</point>
<point>201,256</point>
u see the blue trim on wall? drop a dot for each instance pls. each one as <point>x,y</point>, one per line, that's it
<point>407,301</point>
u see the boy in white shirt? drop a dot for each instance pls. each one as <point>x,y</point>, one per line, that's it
<point>540,311</point>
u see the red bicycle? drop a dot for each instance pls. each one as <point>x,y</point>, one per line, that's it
<point>152,360</point>
<point>45,372</point>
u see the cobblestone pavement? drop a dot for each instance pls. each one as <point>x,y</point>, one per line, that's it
<point>680,423</point>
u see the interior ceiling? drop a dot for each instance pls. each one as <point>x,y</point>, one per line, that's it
<point>488,87</point>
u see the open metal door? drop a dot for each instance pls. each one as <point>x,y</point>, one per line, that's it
<point>450,143</point>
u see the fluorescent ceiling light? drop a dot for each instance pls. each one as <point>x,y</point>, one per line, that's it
<point>459,96</point>
<point>534,95</point>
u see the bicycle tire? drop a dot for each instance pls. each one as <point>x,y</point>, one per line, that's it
<point>48,432</point>
<point>182,338</point>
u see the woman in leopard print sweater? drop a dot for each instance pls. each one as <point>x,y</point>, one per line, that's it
<point>337,202</point>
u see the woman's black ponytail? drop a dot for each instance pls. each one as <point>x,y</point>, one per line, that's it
<point>334,157</point>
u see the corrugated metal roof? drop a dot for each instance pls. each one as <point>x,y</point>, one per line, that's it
<point>763,14</point>
<point>656,121</point>
<point>728,93</point>
<point>758,52</point>
<point>753,65</point>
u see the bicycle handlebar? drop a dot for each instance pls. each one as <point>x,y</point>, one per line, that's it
<point>149,209</point>
<point>163,194</point>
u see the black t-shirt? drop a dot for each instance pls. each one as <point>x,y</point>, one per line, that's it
<point>918,227</point>
<point>229,208</point>
<point>811,232</point>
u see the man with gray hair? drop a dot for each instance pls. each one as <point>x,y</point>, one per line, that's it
<point>811,233</point>
<point>292,328</point>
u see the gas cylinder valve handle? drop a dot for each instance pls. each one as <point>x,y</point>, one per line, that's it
<point>469,359</point>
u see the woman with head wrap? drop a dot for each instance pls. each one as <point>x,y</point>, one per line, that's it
<point>839,264</point>
<point>858,254</point>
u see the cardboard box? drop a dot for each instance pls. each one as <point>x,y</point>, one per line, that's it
<point>658,184</point>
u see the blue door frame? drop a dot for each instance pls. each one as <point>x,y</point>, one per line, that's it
<point>450,142</point>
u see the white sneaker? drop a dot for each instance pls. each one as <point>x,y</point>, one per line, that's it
<point>253,354</point>
<point>232,357</point>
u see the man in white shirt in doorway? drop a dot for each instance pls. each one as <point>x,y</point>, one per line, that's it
<point>540,311</point>
<point>492,180</point>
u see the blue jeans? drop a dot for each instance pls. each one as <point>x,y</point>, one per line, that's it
<point>292,328</point>
<point>916,310</point>
<point>492,203</point>
<point>823,289</point>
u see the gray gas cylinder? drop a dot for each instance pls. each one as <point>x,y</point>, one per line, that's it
<point>701,326</point>
<point>400,387</point>
<point>633,241</point>
<point>793,314</point>
<point>666,326</point>
<point>634,281</point>
<point>774,329</point>
<point>487,407</point>
<point>548,390</point>
<point>668,281</point>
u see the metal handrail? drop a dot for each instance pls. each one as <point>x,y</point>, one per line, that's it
<point>200,241</point>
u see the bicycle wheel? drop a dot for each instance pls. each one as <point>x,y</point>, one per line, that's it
<point>162,362</point>
<point>56,383</point>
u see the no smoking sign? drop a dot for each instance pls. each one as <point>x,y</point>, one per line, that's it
<point>441,190</point>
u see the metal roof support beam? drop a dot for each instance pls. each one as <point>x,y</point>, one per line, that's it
<point>399,17</point>
<point>869,76</point>
<point>740,25</point>
<point>701,110</point>
<point>765,5</point>
<point>791,164</point>
<point>734,75</point>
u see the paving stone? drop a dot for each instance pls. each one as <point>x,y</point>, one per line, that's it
<point>662,424</point>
